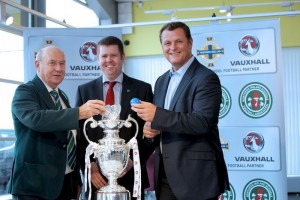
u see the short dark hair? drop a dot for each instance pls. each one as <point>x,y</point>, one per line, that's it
<point>111,40</point>
<point>174,25</point>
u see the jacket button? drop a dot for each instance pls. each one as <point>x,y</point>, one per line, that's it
<point>64,146</point>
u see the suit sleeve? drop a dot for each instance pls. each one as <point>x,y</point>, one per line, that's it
<point>29,108</point>
<point>144,148</point>
<point>82,142</point>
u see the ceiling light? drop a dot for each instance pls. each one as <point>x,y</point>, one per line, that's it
<point>168,12</point>
<point>173,17</point>
<point>9,19</point>
<point>286,4</point>
<point>229,15</point>
<point>225,9</point>
<point>4,16</point>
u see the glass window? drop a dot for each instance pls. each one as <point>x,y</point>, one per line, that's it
<point>73,13</point>
<point>12,74</point>
<point>11,56</point>
<point>7,90</point>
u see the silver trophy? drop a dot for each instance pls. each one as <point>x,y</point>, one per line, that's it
<point>112,155</point>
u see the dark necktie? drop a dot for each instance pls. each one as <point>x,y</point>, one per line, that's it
<point>110,97</point>
<point>55,96</point>
<point>71,142</point>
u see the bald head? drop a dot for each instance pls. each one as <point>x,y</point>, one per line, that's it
<point>50,64</point>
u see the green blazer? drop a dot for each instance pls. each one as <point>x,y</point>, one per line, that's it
<point>41,141</point>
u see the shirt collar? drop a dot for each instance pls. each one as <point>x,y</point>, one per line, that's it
<point>47,86</point>
<point>182,69</point>
<point>119,79</point>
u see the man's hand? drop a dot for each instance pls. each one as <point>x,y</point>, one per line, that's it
<point>149,132</point>
<point>97,179</point>
<point>91,108</point>
<point>144,110</point>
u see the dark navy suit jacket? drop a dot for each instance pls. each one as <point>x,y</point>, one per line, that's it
<point>191,149</point>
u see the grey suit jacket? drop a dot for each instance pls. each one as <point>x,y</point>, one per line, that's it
<point>41,146</point>
<point>191,149</point>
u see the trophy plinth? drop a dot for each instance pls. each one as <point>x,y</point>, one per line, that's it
<point>113,195</point>
<point>112,154</point>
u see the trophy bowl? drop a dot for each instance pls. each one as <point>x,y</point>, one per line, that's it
<point>112,157</point>
<point>112,154</point>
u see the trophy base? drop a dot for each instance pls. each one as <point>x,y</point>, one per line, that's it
<point>100,195</point>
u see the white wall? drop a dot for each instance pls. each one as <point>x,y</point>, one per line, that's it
<point>291,59</point>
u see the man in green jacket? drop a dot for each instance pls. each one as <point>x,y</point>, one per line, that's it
<point>42,123</point>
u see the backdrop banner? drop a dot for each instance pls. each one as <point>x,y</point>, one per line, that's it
<point>80,47</point>
<point>247,57</point>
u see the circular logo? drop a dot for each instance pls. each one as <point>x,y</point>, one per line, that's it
<point>88,51</point>
<point>210,52</point>
<point>225,104</point>
<point>224,145</point>
<point>259,189</point>
<point>254,142</point>
<point>249,45</point>
<point>255,100</point>
<point>228,195</point>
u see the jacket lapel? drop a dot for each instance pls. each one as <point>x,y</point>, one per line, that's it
<point>161,90</point>
<point>64,97</point>
<point>98,89</point>
<point>44,94</point>
<point>183,83</point>
<point>126,96</point>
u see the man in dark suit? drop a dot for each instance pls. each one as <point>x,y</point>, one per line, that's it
<point>111,57</point>
<point>40,168</point>
<point>189,160</point>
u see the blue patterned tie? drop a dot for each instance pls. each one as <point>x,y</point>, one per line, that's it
<point>71,142</point>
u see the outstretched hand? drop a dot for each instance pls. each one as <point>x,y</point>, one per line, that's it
<point>144,110</point>
<point>91,108</point>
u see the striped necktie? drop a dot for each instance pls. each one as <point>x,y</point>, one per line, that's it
<point>71,142</point>
<point>55,96</point>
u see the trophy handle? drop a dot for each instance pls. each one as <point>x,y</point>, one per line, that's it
<point>127,124</point>
<point>93,125</point>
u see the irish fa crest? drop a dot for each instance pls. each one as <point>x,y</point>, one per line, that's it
<point>210,52</point>
<point>226,103</point>
<point>224,145</point>
<point>228,195</point>
<point>259,189</point>
<point>255,100</point>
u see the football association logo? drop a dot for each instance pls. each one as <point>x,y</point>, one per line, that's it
<point>225,104</point>
<point>210,52</point>
<point>255,100</point>
<point>259,189</point>
<point>228,195</point>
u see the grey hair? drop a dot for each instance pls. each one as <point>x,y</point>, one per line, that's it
<point>41,52</point>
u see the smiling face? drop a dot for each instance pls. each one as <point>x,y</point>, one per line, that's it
<point>51,66</point>
<point>110,60</point>
<point>176,47</point>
